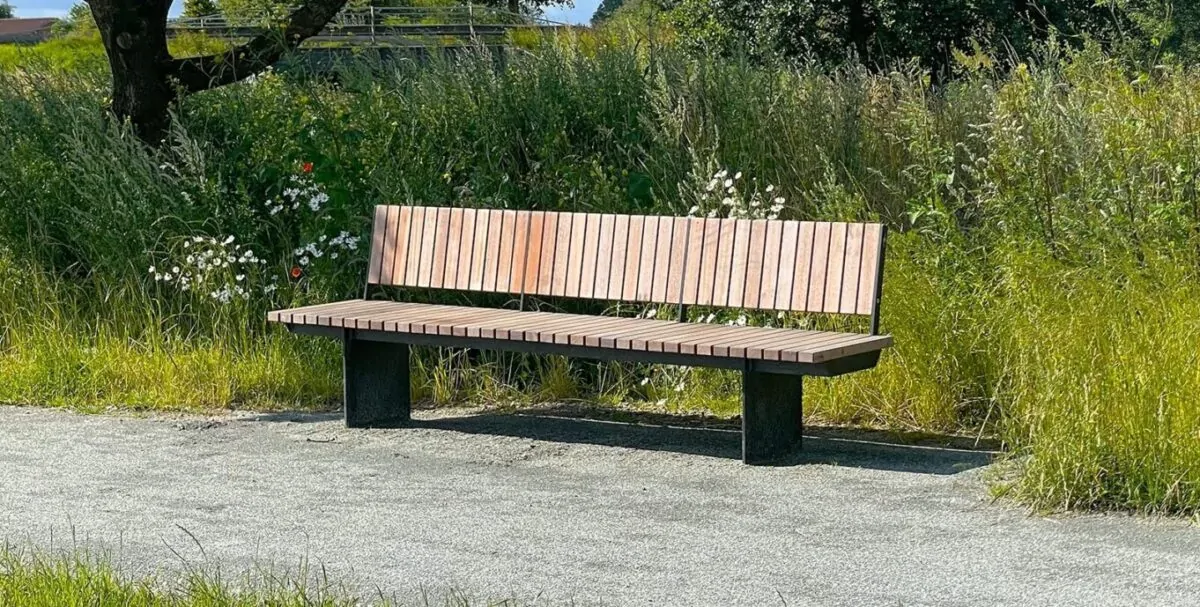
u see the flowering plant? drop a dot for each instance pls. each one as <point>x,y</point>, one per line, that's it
<point>726,195</point>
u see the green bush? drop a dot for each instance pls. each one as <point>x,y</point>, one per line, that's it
<point>1040,284</point>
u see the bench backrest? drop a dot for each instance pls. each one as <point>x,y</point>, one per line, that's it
<point>800,266</point>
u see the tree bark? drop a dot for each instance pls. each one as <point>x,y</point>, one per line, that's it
<point>135,40</point>
<point>147,80</point>
<point>860,27</point>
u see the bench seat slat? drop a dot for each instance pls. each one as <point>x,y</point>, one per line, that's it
<point>605,332</point>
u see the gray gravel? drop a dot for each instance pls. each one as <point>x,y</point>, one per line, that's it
<point>558,510</point>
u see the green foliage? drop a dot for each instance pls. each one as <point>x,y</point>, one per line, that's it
<point>1041,282</point>
<point>882,32</point>
<point>6,10</point>
<point>79,21</point>
<point>199,8</point>
<point>605,10</point>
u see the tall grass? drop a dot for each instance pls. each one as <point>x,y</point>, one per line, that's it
<point>1041,285</point>
<point>34,579</point>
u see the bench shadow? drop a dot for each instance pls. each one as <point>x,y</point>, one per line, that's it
<point>706,436</point>
<point>697,435</point>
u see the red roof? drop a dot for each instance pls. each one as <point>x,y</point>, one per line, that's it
<point>24,26</point>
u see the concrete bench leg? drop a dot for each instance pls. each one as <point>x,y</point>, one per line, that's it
<point>375,376</point>
<point>772,415</point>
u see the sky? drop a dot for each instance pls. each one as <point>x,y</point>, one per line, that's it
<point>580,13</point>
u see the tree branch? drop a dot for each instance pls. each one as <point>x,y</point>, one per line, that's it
<point>211,71</point>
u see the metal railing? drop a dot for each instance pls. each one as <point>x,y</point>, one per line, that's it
<point>374,24</point>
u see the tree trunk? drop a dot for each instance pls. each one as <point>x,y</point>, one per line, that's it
<point>514,6</point>
<point>135,39</point>
<point>860,28</point>
<point>146,79</point>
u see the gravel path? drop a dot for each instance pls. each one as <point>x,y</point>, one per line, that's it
<point>557,510</point>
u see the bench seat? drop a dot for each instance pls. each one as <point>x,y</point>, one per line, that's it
<point>597,332</point>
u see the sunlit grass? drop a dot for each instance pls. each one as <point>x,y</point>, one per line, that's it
<point>33,579</point>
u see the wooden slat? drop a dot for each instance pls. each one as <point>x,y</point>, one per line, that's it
<point>479,248</point>
<point>660,291</point>
<point>690,278</point>
<point>446,254</point>
<point>633,258</point>
<point>648,261</point>
<point>466,252</point>
<point>378,228</point>
<point>804,256</point>
<point>741,254</point>
<point>848,299</point>
<point>833,269</point>
<point>589,258</point>
<point>403,237</point>
<point>870,266</point>
<point>820,262</point>
<point>603,260</point>
<point>769,283</point>
<point>755,258</point>
<point>545,273</point>
<point>391,244</point>
<point>787,265</point>
<point>425,255</point>
<point>622,238</point>
<point>512,247</point>
<point>491,254</point>
<point>560,263</point>
<point>679,252</point>
<point>412,249</point>
<point>710,255</point>
<point>723,268</point>
<point>527,258</point>
<point>584,230</point>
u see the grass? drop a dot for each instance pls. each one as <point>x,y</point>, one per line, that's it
<point>1040,284</point>
<point>32,579</point>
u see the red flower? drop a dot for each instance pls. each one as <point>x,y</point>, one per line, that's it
<point>297,272</point>
<point>306,167</point>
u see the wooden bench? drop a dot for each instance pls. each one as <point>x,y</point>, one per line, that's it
<point>787,266</point>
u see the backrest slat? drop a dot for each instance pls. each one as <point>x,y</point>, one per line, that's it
<point>833,268</point>
<point>872,234</point>
<point>424,248</point>
<point>815,299</point>
<point>799,266</point>
<point>378,238</point>
<point>850,270</point>
<point>633,261</point>
<point>741,257</point>
<point>752,288</point>
<point>770,266</point>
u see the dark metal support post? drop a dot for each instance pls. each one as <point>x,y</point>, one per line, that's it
<point>772,415</point>
<point>375,376</point>
<point>683,310</point>
<point>878,282</point>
